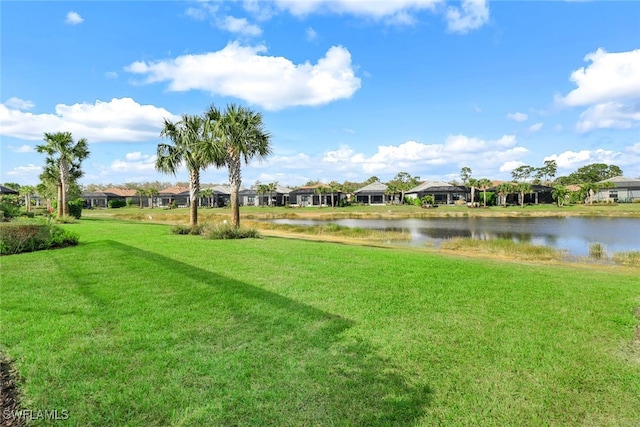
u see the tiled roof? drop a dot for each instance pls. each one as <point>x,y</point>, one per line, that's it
<point>374,187</point>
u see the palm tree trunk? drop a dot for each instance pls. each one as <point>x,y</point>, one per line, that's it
<point>234,181</point>
<point>62,190</point>
<point>194,189</point>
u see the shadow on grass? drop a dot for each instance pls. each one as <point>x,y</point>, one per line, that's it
<point>238,354</point>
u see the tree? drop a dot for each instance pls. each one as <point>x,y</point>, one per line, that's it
<point>522,173</point>
<point>404,182</point>
<point>473,183</point>
<point>241,135</point>
<point>63,163</point>
<point>261,189</point>
<point>465,175</point>
<point>483,184</point>
<point>140,192</point>
<point>151,194</point>
<point>392,190</point>
<point>27,191</point>
<point>191,145</point>
<point>548,171</point>
<point>333,188</point>
<point>523,187</point>
<point>271,188</point>
<point>605,185</point>
<point>208,194</point>
<point>12,185</point>
<point>559,193</point>
<point>504,190</point>
<point>320,190</point>
<point>594,172</point>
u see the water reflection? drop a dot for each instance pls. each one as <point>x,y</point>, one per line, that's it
<point>572,234</point>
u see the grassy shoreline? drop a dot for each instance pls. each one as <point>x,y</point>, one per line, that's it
<point>137,326</point>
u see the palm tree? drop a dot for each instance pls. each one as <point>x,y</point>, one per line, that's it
<point>64,158</point>
<point>240,133</point>
<point>504,190</point>
<point>559,193</point>
<point>604,185</point>
<point>319,190</point>
<point>262,189</point>
<point>483,184</point>
<point>191,145</point>
<point>473,183</point>
<point>151,194</point>
<point>271,188</point>
<point>523,187</point>
<point>27,191</point>
<point>208,193</point>
<point>140,192</point>
<point>333,187</point>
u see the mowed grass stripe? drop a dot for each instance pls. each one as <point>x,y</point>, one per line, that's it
<point>136,326</point>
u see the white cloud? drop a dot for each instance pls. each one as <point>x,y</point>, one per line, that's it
<point>609,87</point>
<point>116,120</point>
<point>238,25</point>
<point>372,9</point>
<point>311,34</point>
<point>111,75</point>
<point>73,18</point>
<point>471,14</point>
<point>19,104</point>
<point>518,117</point>
<point>510,166</point>
<point>635,148</point>
<point>611,76</point>
<point>609,115</point>
<point>571,160</point>
<point>21,149</point>
<point>416,157</point>
<point>134,162</point>
<point>536,127</point>
<point>27,171</point>
<point>244,72</point>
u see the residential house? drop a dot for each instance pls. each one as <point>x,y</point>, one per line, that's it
<point>442,192</point>
<point>251,197</point>
<point>7,190</point>
<point>179,195</point>
<point>101,199</point>
<point>221,196</point>
<point>373,194</point>
<point>623,189</point>
<point>310,196</point>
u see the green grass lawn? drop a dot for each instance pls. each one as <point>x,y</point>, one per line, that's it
<point>139,327</point>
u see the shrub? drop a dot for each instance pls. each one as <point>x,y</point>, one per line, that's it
<point>116,203</point>
<point>66,219</point>
<point>631,258</point>
<point>226,231</point>
<point>9,207</point>
<point>75,208</point>
<point>18,237</point>
<point>187,229</point>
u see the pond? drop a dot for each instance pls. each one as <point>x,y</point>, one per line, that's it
<point>572,234</point>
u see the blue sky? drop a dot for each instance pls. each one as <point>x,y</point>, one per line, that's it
<point>348,89</point>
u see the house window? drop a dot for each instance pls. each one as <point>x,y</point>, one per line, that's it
<point>251,200</point>
<point>613,194</point>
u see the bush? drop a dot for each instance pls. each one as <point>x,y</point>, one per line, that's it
<point>186,229</point>
<point>9,207</point>
<point>18,237</point>
<point>75,208</point>
<point>66,219</point>
<point>116,203</point>
<point>226,231</point>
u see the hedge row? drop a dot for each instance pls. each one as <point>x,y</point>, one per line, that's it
<point>17,237</point>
